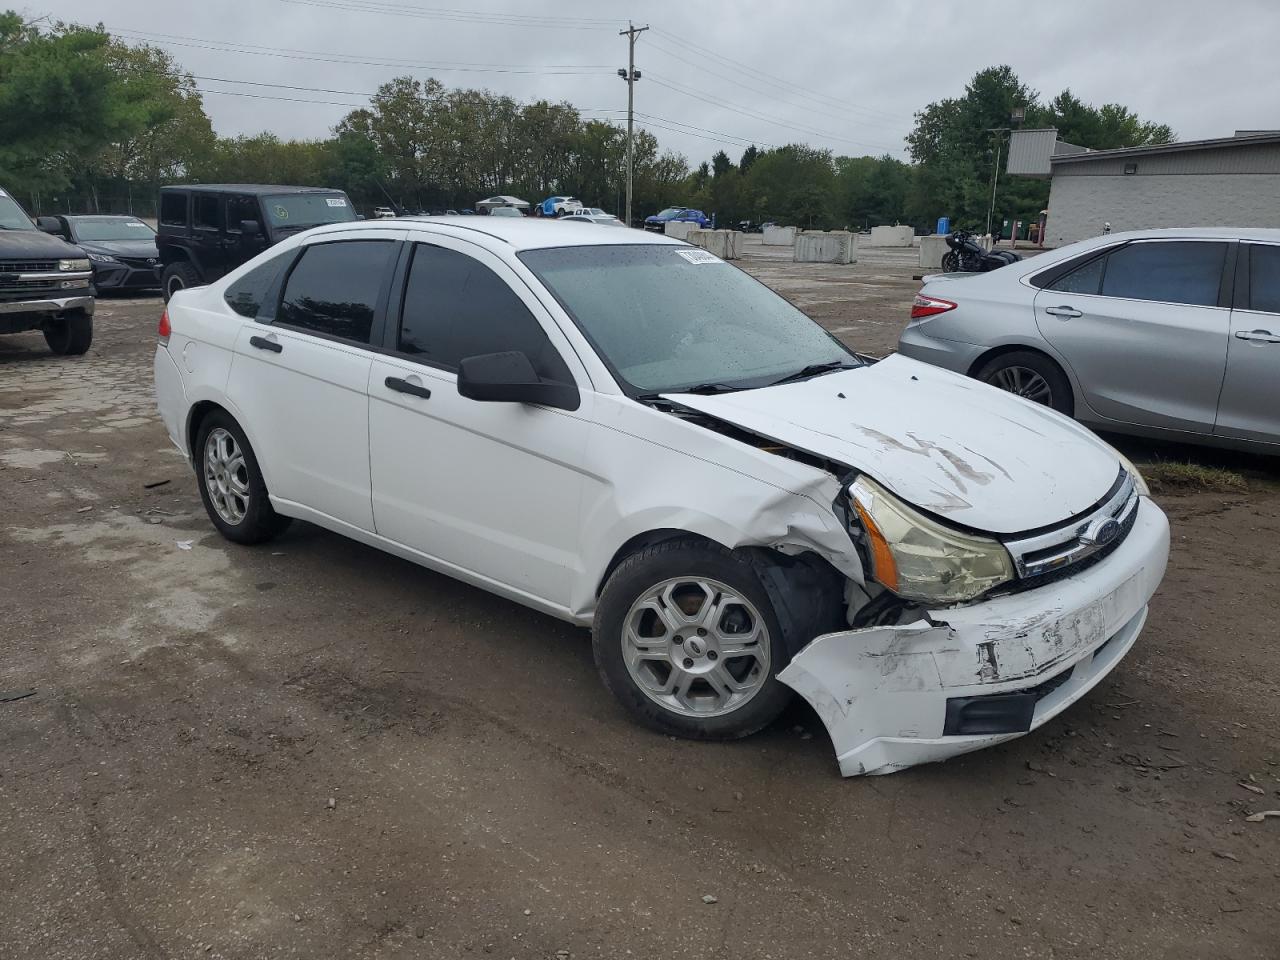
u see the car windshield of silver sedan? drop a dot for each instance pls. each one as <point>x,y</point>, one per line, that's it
<point>671,319</point>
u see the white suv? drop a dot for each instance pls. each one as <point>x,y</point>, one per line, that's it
<point>625,432</point>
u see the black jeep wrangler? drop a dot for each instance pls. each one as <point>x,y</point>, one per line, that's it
<point>45,283</point>
<point>208,229</point>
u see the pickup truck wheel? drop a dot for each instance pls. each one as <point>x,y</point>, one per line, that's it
<point>69,335</point>
<point>231,484</point>
<point>687,640</point>
<point>178,276</point>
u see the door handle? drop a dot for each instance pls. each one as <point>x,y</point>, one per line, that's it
<point>262,343</point>
<point>1259,336</point>
<point>400,385</point>
<point>1064,312</point>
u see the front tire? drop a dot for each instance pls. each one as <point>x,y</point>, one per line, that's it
<point>70,334</point>
<point>950,262</point>
<point>688,641</point>
<point>1030,375</point>
<point>231,485</point>
<point>178,276</point>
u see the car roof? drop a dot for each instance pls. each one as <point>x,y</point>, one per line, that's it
<point>522,233</point>
<point>256,189</point>
<point>1195,233</point>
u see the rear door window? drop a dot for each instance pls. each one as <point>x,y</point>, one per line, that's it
<point>456,307</point>
<point>1264,278</point>
<point>1084,279</point>
<point>207,212</point>
<point>1180,271</point>
<point>335,288</point>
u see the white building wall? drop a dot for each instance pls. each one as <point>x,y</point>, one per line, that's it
<point>1080,205</point>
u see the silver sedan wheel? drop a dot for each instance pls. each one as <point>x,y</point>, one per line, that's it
<point>1023,381</point>
<point>226,476</point>
<point>696,647</point>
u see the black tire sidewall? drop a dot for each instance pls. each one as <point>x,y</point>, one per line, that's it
<point>70,335</point>
<point>182,271</point>
<point>641,572</point>
<point>1061,398</point>
<point>260,522</point>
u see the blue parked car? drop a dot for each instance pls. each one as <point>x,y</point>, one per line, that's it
<point>658,222</point>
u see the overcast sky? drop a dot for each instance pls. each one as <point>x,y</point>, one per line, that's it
<point>844,74</point>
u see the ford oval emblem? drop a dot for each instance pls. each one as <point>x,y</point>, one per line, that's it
<point>1100,532</point>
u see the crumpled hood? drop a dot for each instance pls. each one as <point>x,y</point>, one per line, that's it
<point>953,446</point>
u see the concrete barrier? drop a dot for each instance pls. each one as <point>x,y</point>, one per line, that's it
<point>817,246</point>
<point>932,249</point>
<point>776,236</point>
<point>680,229</point>
<point>725,244</point>
<point>899,236</point>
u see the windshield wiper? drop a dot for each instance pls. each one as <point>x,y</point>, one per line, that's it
<point>708,388</point>
<point>815,370</point>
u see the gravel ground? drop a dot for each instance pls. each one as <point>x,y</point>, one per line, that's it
<point>312,749</point>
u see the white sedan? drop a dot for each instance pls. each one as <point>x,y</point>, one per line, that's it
<point>626,432</point>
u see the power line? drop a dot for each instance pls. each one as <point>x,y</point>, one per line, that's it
<point>461,16</point>
<point>738,80</point>
<point>319,56</point>
<point>704,52</point>
<point>725,105</point>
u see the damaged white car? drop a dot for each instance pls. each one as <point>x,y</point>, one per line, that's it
<point>628,433</point>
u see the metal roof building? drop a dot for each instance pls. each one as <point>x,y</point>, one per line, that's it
<point>1230,181</point>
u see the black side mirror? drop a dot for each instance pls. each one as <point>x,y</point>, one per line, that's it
<point>250,228</point>
<point>49,225</point>
<point>510,378</point>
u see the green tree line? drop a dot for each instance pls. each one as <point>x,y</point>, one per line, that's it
<point>89,123</point>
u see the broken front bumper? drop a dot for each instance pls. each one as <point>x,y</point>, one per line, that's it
<point>977,675</point>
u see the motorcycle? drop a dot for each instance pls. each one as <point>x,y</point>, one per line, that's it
<point>967,256</point>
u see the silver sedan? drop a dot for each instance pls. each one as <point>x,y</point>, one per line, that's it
<point>1161,333</point>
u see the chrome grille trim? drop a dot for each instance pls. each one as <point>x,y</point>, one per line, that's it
<point>1058,549</point>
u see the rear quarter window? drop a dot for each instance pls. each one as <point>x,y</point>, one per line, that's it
<point>173,209</point>
<point>250,295</point>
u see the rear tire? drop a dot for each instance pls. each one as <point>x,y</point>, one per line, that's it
<point>69,335</point>
<point>231,485</point>
<point>178,276</point>
<point>1031,375</point>
<point>687,639</point>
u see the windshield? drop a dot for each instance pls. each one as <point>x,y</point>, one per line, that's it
<point>11,215</point>
<point>668,213</point>
<point>88,229</point>
<point>666,318</point>
<point>307,209</point>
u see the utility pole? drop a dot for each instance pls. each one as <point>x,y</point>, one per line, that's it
<point>631,75</point>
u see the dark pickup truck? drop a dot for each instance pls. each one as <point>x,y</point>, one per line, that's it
<point>45,283</point>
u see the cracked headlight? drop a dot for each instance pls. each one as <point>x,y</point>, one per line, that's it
<point>920,559</point>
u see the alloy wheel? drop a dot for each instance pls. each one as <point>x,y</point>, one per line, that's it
<point>1024,382</point>
<point>696,646</point>
<point>226,476</point>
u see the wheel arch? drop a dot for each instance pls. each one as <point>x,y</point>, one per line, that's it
<point>1006,348</point>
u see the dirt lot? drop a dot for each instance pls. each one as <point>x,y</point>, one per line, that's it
<point>315,750</point>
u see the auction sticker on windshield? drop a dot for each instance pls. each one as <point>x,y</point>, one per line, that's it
<point>335,201</point>
<point>698,256</point>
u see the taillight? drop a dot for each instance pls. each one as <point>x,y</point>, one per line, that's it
<point>163,330</point>
<point>923,306</point>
